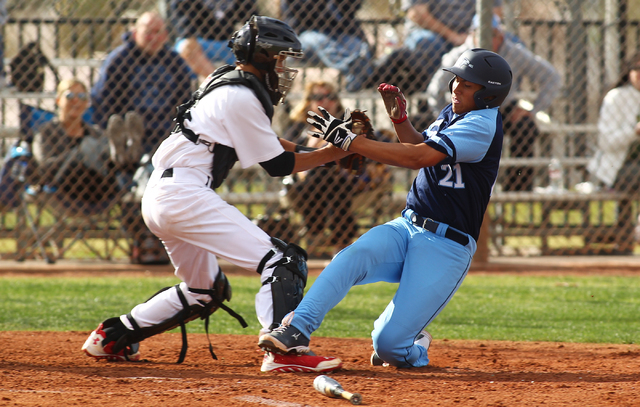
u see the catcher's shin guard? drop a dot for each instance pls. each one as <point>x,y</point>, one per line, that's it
<point>221,291</point>
<point>288,279</point>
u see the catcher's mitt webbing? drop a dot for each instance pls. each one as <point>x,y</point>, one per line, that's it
<point>356,163</point>
<point>361,123</point>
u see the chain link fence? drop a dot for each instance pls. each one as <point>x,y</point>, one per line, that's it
<point>568,177</point>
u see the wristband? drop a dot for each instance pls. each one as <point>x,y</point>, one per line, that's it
<point>347,142</point>
<point>304,149</point>
<point>400,120</point>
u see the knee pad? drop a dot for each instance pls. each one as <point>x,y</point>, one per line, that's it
<point>288,279</point>
<point>221,291</point>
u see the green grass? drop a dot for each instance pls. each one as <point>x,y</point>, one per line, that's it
<point>567,309</point>
<point>594,309</point>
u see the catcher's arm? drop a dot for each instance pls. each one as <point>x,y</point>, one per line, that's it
<point>306,160</point>
<point>288,145</point>
<point>405,155</point>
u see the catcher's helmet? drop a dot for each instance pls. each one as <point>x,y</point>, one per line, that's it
<point>485,68</point>
<point>259,42</point>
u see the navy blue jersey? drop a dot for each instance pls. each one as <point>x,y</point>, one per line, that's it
<point>457,190</point>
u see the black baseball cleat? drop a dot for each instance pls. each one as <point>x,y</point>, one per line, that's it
<point>283,340</point>
<point>376,361</point>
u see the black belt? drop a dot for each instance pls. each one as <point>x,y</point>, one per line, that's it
<point>432,226</point>
<point>168,173</point>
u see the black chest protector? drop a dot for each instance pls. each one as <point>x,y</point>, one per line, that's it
<point>224,157</point>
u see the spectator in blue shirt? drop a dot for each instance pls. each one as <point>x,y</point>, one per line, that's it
<point>145,76</point>
<point>331,35</point>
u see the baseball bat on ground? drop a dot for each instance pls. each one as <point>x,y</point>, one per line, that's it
<point>330,387</point>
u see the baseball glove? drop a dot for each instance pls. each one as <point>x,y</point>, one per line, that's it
<point>356,163</point>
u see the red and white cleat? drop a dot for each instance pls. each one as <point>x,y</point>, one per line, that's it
<point>93,347</point>
<point>274,362</point>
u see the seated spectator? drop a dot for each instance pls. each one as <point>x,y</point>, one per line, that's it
<point>616,162</point>
<point>203,29</point>
<point>145,76</point>
<point>331,35</point>
<point>432,28</point>
<point>322,195</point>
<point>73,158</point>
<point>519,123</point>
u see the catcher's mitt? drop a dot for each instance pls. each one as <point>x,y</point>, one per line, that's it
<point>356,163</point>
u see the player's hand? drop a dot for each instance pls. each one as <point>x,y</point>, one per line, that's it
<point>394,102</point>
<point>335,131</point>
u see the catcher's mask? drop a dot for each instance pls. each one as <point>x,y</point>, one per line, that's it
<point>485,68</point>
<point>265,43</point>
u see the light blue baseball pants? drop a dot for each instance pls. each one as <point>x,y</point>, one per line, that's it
<point>428,267</point>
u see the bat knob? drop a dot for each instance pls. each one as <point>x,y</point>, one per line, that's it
<point>356,398</point>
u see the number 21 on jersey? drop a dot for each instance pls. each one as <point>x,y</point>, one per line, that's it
<point>453,176</point>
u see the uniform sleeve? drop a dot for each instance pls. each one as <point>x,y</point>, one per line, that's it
<point>250,129</point>
<point>469,139</point>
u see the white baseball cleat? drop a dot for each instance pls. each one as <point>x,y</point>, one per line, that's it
<point>424,339</point>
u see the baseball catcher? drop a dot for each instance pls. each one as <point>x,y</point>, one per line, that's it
<point>227,120</point>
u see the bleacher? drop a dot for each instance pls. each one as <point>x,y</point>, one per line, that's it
<point>538,220</point>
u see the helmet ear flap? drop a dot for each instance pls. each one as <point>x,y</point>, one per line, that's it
<point>253,33</point>
<point>243,42</point>
<point>239,46</point>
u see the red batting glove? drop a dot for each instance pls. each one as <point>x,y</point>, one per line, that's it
<point>394,102</point>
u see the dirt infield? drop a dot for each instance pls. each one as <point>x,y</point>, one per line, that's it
<point>49,369</point>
